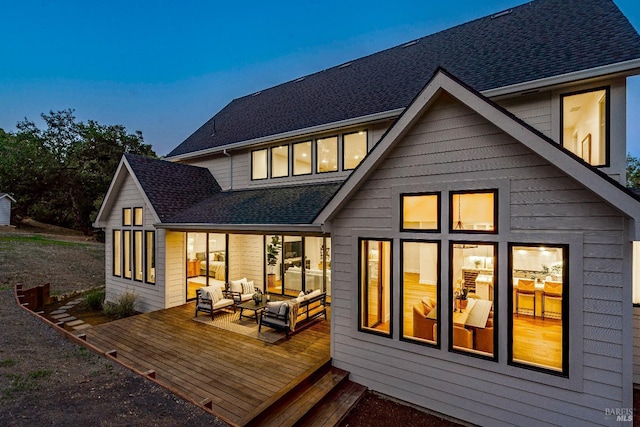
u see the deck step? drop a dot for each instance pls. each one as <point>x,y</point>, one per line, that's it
<point>335,406</point>
<point>295,405</point>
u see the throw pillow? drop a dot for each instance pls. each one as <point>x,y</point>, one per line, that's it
<point>283,309</point>
<point>211,293</point>
<point>247,287</point>
<point>274,307</point>
<point>236,285</point>
<point>301,294</point>
<point>218,291</point>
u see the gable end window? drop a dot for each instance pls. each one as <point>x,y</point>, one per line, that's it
<point>585,125</point>
<point>420,212</point>
<point>474,212</point>
<point>133,255</point>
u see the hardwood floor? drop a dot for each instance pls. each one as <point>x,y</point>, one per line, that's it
<point>536,341</point>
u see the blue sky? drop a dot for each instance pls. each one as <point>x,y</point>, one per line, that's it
<point>165,67</point>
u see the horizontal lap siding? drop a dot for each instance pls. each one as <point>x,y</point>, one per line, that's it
<point>636,345</point>
<point>452,144</point>
<point>149,297</point>
<point>175,268</point>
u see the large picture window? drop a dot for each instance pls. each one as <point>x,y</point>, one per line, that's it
<point>420,290</point>
<point>375,286</point>
<point>259,164</point>
<point>420,211</point>
<point>585,125</point>
<point>472,289</point>
<point>538,324</point>
<point>474,212</point>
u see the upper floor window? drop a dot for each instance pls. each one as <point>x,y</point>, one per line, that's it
<point>327,154</point>
<point>474,212</point>
<point>420,211</point>
<point>585,125</point>
<point>354,149</point>
<point>259,164</point>
<point>302,158</point>
<point>280,161</point>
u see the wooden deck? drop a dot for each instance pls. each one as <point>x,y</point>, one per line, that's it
<point>239,375</point>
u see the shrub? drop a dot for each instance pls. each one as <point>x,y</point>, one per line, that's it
<point>123,307</point>
<point>95,299</point>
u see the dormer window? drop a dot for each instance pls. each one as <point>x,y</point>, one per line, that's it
<point>585,125</point>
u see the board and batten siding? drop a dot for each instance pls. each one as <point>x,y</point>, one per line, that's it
<point>149,296</point>
<point>453,148</point>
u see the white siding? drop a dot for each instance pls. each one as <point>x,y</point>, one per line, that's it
<point>149,296</point>
<point>535,110</point>
<point>238,163</point>
<point>245,256</point>
<point>175,268</point>
<point>5,211</point>
<point>454,148</point>
<point>636,345</point>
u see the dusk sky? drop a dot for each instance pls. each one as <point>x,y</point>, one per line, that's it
<point>165,67</point>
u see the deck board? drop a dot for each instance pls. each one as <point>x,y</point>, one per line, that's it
<point>198,361</point>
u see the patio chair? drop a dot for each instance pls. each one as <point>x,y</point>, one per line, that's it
<point>276,315</point>
<point>211,299</point>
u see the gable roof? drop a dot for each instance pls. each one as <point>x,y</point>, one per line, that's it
<point>167,187</point>
<point>185,196</point>
<point>288,205</point>
<point>172,187</point>
<point>534,41</point>
<point>3,195</point>
<point>593,179</point>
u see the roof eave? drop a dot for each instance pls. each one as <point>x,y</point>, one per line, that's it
<point>625,68</point>
<point>243,228</point>
<point>291,134</point>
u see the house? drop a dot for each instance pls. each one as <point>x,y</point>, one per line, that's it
<point>5,208</point>
<point>460,198</point>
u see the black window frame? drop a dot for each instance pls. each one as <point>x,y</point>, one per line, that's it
<point>366,147</point>
<point>438,228</point>
<point>496,216</point>
<point>607,148</point>
<point>437,344</point>
<point>293,158</point>
<point>565,310</point>
<point>361,328</point>
<point>271,163</point>
<point>317,157</point>
<point>266,150</point>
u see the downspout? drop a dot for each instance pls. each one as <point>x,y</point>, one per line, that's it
<point>230,168</point>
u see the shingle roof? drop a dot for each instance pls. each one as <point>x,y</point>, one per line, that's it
<point>172,187</point>
<point>274,205</point>
<point>540,39</point>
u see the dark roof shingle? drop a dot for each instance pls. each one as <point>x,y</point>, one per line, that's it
<point>273,205</point>
<point>540,39</point>
<point>172,187</point>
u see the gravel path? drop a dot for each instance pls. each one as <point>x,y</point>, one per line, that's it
<point>47,380</point>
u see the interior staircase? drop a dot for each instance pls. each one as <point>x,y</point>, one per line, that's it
<point>323,398</point>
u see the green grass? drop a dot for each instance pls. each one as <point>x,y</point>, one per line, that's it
<point>4,240</point>
<point>23,383</point>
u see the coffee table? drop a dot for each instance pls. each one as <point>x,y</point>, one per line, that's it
<point>252,306</point>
